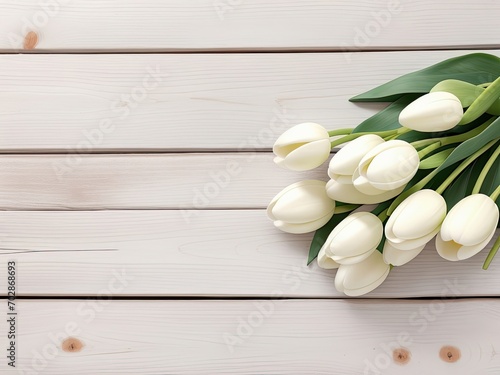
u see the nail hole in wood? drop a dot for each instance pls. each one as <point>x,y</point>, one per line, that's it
<point>30,40</point>
<point>72,345</point>
<point>401,356</point>
<point>449,354</point>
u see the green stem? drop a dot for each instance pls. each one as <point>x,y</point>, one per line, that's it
<point>383,215</point>
<point>345,208</point>
<point>495,194</point>
<point>391,137</point>
<point>454,138</point>
<point>484,172</point>
<point>424,142</point>
<point>492,254</point>
<point>464,165</point>
<point>429,149</point>
<point>343,131</point>
<point>353,136</point>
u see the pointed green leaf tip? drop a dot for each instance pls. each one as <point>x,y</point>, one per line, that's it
<point>475,68</point>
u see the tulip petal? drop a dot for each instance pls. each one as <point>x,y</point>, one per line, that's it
<point>389,165</point>
<point>471,220</point>
<point>352,259</point>
<point>302,203</point>
<point>433,112</point>
<point>280,162</point>
<point>308,156</point>
<point>364,186</point>
<point>300,228</point>
<point>416,242</point>
<point>355,235</point>
<point>284,191</point>
<point>298,135</point>
<point>398,257</point>
<point>346,160</point>
<point>368,288</point>
<point>340,277</point>
<point>326,262</point>
<point>347,193</point>
<point>453,251</point>
<point>393,168</point>
<point>417,216</point>
<point>361,278</point>
<point>465,252</point>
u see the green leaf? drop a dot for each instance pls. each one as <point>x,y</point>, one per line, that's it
<point>475,68</point>
<point>435,160</point>
<point>473,144</point>
<point>466,93</point>
<point>386,119</point>
<point>460,188</point>
<point>482,103</point>
<point>322,234</point>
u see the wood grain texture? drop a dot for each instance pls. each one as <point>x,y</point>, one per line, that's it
<point>159,25</point>
<point>199,253</point>
<point>287,337</point>
<point>147,181</point>
<point>149,102</point>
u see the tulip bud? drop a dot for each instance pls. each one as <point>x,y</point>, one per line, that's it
<point>361,278</point>
<point>302,147</point>
<point>416,220</point>
<point>388,166</point>
<point>342,190</point>
<point>398,257</point>
<point>433,112</point>
<point>301,207</point>
<point>347,159</point>
<point>354,238</point>
<point>326,262</point>
<point>468,228</point>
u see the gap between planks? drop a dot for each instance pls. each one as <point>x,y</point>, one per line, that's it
<point>193,51</point>
<point>83,103</point>
<point>234,253</point>
<point>250,24</point>
<point>257,337</point>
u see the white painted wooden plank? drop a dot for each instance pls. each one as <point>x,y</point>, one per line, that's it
<point>288,337</point>
<point>199,253</point>
<point>148,181</point>
<point>82,103</point>
<point>128,25</point>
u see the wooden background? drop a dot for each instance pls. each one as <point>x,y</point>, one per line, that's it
<point>135,168</point>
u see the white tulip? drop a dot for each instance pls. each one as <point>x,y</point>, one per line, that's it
<point>354,238</point>
<point>388,166</point>
<point>432,112</point>
<point>361,278</point>
<point>341,189</point>
<point>302,147</point>
<point>326,262</point>
<point>347,159</point>
<point>398,257</point>
<point>416,220</point>
<point>467,228</point>
<point>343,165</point>
<point>301,207</point>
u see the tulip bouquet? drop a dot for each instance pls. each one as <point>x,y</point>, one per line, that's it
<point>429,162</point>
